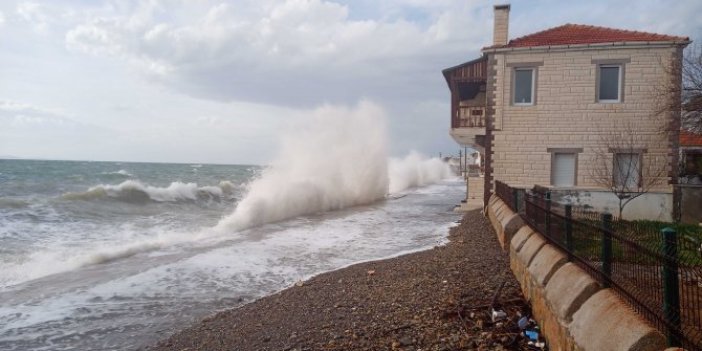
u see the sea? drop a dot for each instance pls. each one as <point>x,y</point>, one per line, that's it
<point>118,255</point>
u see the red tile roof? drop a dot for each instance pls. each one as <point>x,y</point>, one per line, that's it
<point>583,34</point>
<point>690,139</point>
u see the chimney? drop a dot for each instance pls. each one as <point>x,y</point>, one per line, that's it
<point>501,32</point>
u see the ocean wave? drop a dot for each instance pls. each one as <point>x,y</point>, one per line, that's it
<point>121,172</point>
<point>135,191</point>
<point>13,203</point>
<point>416,170</point>
<point>65,258</point>
<point>327,166</point>
<point>337,160</point>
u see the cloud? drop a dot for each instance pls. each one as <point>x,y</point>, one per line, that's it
<point>306,52</point>
<point>21,116</point>
<point>294,52</point>
<point>34,14</point>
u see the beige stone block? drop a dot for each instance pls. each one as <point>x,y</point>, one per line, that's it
<point>605,322</point>
<point>568,289</point>
<point>546,262</point>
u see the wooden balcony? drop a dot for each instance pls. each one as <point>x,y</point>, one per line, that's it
<point>469,117</point>
<point>467,83</point>
<point>468,126</point>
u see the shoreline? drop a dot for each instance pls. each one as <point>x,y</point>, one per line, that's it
<point>410,301</point>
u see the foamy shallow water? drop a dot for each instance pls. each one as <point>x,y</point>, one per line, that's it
<point>133,300</point>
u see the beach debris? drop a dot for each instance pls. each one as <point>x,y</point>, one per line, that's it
<point>371,271</point>
<point>498,315</point>
<point>533,335</point>
<point>523,322</point>
<point>300,283</point>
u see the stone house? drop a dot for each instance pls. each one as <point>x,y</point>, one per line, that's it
<point>567,107</point>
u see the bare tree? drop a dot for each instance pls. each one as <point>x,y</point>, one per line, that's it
<point>622,165</point>
<point>692,89</point>
<point>682,94</point>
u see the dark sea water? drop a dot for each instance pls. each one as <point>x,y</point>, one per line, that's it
<point>113,256</point>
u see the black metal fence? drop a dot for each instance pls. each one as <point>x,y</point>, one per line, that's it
<point>658,271</point>
<point>513,197</point>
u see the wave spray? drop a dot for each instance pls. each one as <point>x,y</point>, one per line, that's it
<point>338,160</point>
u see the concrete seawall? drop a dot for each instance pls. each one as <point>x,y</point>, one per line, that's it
<point>573,310</point>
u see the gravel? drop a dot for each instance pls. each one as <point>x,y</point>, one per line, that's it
<point>439,299</point>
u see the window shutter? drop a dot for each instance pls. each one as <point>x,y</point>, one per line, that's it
<point>563,172</point>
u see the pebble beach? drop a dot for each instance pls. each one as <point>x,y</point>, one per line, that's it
<point>439,299</point>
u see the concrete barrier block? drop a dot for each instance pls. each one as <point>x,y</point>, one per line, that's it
<point>502,211</point>
<point>545,263</point>
<point>492,199</point>
<point>501,234</point>
<point>491,212</point>
<point>522,260</point>
<point>520,237</point>
<point>510,225</point>
<point>530,248</point>
<point>568,289</point>
<point>604,322</point>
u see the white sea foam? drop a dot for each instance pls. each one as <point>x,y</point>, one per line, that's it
<point>415,170</point>
<point>135,191</point>
<point>338,160</point>
<point>121,172</point>
<point>62,257</point>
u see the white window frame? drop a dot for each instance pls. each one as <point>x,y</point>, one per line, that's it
<point>533,86</point>
<point>620,83</point>
<point>554,157</point>
<point>564,150</point>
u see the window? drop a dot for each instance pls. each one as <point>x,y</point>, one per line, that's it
<point>692,163</point>
<point>563,167</point>
<point>627,171</point>
<point>523,86</point>
<point>610,78</point>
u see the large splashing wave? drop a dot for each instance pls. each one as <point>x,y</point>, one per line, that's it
<point>415,170</point>
<point>338,160</point>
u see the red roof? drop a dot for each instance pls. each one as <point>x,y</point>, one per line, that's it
<point>569,34</point>
<point>690,139</point>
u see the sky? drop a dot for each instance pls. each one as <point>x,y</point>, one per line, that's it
<point>219,81</point>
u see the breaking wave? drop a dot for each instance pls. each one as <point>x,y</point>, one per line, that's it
<point>338,160</point>
<point>416,170</point>
<point>135,191</point>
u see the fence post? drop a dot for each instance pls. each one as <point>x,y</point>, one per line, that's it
<point>569,231</point>
<point>671,294</point>
<point>548,214</point>
<point>606,254</point>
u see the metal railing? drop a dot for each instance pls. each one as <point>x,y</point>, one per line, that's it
<point>470,117</point>
<point>658,271</point>
<point>513,197</point>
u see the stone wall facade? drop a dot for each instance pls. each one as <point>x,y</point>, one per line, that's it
<point>567,115</point>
